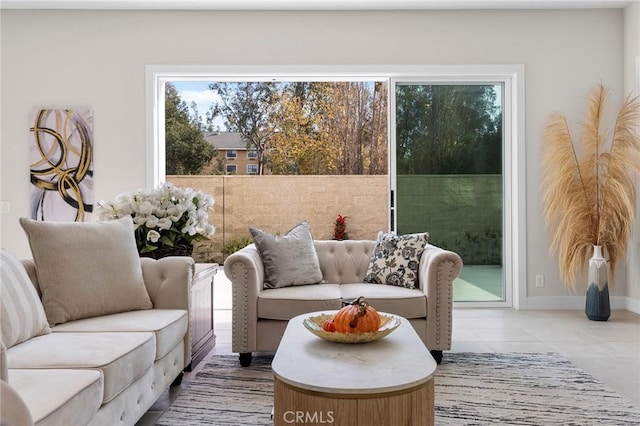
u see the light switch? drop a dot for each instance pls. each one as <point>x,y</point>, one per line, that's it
<point>4,207</point>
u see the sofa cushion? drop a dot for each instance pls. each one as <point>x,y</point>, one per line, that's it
<point>86,269</point>
<point>21,310</point>
<point>286,303</point>
<point>168,325</point>
<point>122,357</point>
<point>396,259</point>
<point>59,396</point>
<point>408,303</point>
<point>290,259</point>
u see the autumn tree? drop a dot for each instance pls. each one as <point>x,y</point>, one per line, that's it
<point>186,150</point>
<point>331,128</point>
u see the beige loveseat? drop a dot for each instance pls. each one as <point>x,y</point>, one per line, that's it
<point>91,333</point>
<point>105,370</point>
<point>260,314</point>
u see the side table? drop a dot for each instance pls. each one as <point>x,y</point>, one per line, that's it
<point>203,338</point>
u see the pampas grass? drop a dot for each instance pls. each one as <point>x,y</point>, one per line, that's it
<point>589,190</point>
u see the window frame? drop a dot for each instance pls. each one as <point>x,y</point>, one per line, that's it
<point>231,151</point>
<point>514,97</point>
<point>235,169</point>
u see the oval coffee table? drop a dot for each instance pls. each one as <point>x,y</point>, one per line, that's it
<point>386,382</point>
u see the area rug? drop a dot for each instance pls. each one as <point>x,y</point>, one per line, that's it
<point>471,389</point>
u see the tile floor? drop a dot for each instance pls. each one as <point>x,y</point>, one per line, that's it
<point>607,350</point>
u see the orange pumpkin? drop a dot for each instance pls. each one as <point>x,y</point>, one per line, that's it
<point>357,317</point>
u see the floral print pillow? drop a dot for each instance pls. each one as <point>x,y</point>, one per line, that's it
<point>396,258</point>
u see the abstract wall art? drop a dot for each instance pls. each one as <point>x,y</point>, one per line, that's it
<point>61,157</point>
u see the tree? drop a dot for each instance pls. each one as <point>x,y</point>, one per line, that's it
<point>309,127</point>
<point>248,108</point>
<point>186,150</point>
<point>448,129</point>
<point>331,128</point>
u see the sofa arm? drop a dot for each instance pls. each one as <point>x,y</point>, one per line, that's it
<point>13,409</point>
<point>438,269</point>
<point>168,281</point>
<point>245,270</point>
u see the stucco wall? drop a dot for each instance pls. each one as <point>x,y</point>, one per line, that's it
<point>278,203</point>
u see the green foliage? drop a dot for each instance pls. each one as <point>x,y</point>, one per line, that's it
<point>235,244</point>
<point>186,150</point>
<point>448,129</point>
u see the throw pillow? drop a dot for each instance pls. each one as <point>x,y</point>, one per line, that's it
<point>288,260</point>
<point>87,269</point>
<point>21,310</point>
<point>396,258</point>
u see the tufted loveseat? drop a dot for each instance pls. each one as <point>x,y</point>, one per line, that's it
<point>260,314</point>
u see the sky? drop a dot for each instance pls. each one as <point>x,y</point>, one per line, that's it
<point>198,92</point>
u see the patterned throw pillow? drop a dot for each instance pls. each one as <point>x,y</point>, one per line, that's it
<point>288,260</point>
<point>396,258</point>
<point>21,312</point>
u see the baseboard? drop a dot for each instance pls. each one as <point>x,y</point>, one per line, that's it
<point>633,305</point>
<point>576,302</point>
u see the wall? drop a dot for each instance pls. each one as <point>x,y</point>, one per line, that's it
<point>632,84</point>
<point>278,203</point>
<point>97,59</point>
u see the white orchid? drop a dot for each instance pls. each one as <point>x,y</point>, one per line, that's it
<point>153,236</point>
<point>166,216</point>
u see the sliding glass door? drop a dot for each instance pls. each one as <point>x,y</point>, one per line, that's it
<point>448,179</point>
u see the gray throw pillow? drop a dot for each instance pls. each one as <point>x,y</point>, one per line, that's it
<point>396,259</point>
<point>86,269</point>
<point>290,259</point>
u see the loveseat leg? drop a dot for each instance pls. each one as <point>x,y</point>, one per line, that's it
<point>245,359</point>
<point>437,355</point>
<point>178,380</point>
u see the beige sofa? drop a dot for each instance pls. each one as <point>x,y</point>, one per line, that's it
<point>91,333</point>
<point>260,314</point>
<point>104,370</point>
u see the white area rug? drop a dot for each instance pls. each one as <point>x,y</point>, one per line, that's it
<point>471,389</point>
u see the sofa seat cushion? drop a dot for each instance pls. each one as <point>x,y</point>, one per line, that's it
<point>122,357</point>
<point>408,303</point>
<point>168,325</point>
<point>288,302</point>
<point>59,396</point>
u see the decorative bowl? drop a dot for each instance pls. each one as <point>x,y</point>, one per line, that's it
<point>314,324</point>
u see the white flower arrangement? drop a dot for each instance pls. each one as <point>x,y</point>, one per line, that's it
<point>165,217</point>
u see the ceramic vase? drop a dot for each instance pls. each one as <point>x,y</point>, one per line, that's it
<point>597,305</point>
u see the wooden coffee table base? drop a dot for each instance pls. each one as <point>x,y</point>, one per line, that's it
<point>295,406</point>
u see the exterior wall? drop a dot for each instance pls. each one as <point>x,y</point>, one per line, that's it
<point>241,161</point>
<point>278,203</point>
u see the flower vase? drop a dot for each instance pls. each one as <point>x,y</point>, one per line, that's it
<point>597,304</point>
<point>166,251</point>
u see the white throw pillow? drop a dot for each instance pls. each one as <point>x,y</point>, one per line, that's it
<point>396,258</point>
<point>87,269</point>
<point>21,313</point>
<point>288,260</point>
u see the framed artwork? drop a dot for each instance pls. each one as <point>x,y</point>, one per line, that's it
<point>61,164</point>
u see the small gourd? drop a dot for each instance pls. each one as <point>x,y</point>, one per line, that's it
<point>357,317</point>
